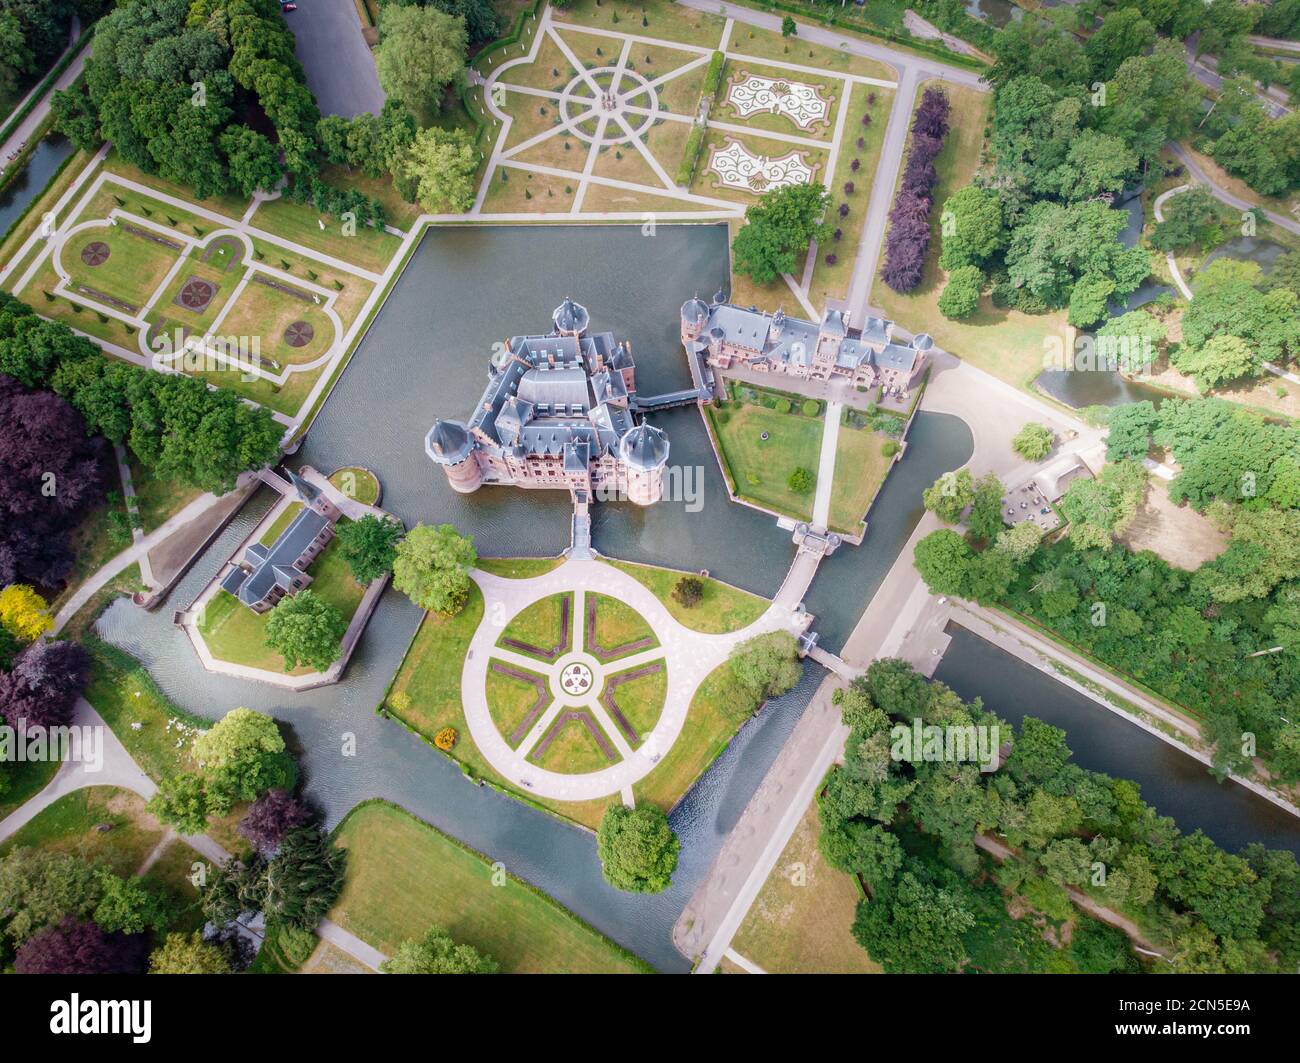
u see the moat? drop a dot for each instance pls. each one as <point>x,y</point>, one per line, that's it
<point>426,355</point>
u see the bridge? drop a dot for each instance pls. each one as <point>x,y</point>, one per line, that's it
<point>685,397</point>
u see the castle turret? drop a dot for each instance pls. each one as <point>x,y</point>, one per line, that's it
<point>449,445</point>
<point>644,452</point>
<point>570,318</point>
<point>695,318</point>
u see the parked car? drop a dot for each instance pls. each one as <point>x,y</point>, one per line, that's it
<point>287,5</point>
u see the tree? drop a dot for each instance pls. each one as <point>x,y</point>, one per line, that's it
<point>972,228</point>
<point>1192,219</point>
<point>1220,360</point>
<point>1129,430</point>
<point>914,928</point>
<point>961,295</point>
<point>985,519</point>
<point>181,802</point>
<point>40,887</point>
<point>778,229</point>
<point>1098,510</point>
<point>1019,542</point>
<point>253,160</point>
<point>77,946</point>
<point>943,558</point>
<point>369,546</point>
<point>689,592</point>
<point>243,755</point>
<point>1089,298</point>
<point>1122,33</point>
<point>24,613</point>
<point>44,684</point>
<point>800,481</point>
<point>948,497</point>
<point>444,165</point>
<point>789,27</point>
<point>860,848</point>
<point>421,50</point>
<point>767,664</point>
<point>306,629</point>
<point>304,880</point>
<point>437,953</point>
<point>1034,441</point>
<point>188,954</point>
<point>1039,752</point>
<point>128,905</point>
<point>432,567</point>
<point>638,850</point>
<point>271,817</point>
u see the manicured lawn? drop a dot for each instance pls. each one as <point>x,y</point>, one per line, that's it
<point>235,633</point>
<point>197,321</point>
<point>538,625</point>
<point>123,693</point>
<point>233,206</point>
<point>404,876</point>
<point>573,750</point>
<point>759,468</point>
<point>708,183</point>
<point>829,89</point>
<point>266,312</point>
<point>667,21</point>
<point>831,281</point>
<point>26,780</point>
<point>799,922</point>
<point>860,469</point>
<point>357,483</point>
<point>1006,343</point>
<point>679,94</point>
<point>641,700</point>
<point>550,70</point>
<point>509,701</point>
<point>618,624</point>
<point>158,499</point>
<point>368,248</point>
<point>747,40</point>
<point>723,609</point>
<point>711,722</point>
<point>134,268</point>
<point>519,567</point>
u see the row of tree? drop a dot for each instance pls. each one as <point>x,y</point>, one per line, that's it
<point>906,822</point>
<point>908,238</point>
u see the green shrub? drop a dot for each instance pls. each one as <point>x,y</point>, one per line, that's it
<point>889,448</point>
<point>690,156</point>
<point>811,408</point>
<point>713,76</point>
<point>781,405</point>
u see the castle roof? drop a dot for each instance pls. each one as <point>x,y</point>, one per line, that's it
<point>644,447</point>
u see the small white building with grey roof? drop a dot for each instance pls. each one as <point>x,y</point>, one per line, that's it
<point>559,411</point>
<point>725,336</point>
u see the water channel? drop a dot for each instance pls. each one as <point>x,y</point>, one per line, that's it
<point>465,290</point>
<point>45,159</point>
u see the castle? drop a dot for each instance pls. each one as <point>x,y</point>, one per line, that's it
<point>269,572</point>
<point>559,411</point>
<point>726,336</point>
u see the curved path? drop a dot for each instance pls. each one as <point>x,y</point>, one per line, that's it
<point>1170,260</point>
<point>1198,173</point>
<point>690,656</point>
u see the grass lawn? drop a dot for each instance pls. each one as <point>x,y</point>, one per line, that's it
<point>724,609</point>
<point>1006,343</point>
<point>232,206</point>
<point>368,248</point>
<point>711,722</point>
<point>280,523</point>
<point>24,781</point>
<point>830,89</point>
<point>158,499</point>
<point>540,625</point>
<point>860,469</point>
<point>679,94</point>
<point>197,322</point>
<point>509,701</point>
<point>351,290</point>
<point>618,624</point>
<point>266,312</point>
<point>357,483</point>
<point>641,700</point>
<point>799,922</point>
<point>831,280</point>
<point>123,693</point>
<point>708,183</point>
<point>765,44</point>
<point>760,468</point>
<point>550,70</point>
<point>398,211</point>
<point>519,567</point>
<point>134,268</point>
<point>235,633</point>
<point>533,192</point>
<point>667,21</point>
<point>572,748</point>
<point>404,876</point>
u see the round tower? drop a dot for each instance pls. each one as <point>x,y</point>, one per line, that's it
<point>644,452</point>
<point>570,318</point>
<point>449,445</point>
<point>695,318</point>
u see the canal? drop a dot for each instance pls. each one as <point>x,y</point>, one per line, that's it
<point>1176,784</point>
<point>426,355</point>
<point>41,166</point>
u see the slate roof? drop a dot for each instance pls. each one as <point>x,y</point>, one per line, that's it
<point>271,566</point>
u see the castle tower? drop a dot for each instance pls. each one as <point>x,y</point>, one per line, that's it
<point>312,496</point>
<point>695,318</point>
<point>644,452</point>
<point>570,318</point>
<point>830,335</point>
<point>449,445</point>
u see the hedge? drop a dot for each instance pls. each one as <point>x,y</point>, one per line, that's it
<point>691,155</point>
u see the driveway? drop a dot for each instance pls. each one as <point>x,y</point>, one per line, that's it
<point>340,68</point>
